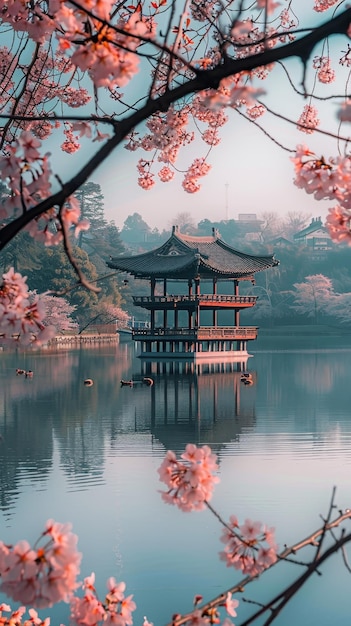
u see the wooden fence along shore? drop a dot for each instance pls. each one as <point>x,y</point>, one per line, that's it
<point>95,334</point>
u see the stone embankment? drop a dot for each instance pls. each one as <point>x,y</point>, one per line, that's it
<point>83,339</point>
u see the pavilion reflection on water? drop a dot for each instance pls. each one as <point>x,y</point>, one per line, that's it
<point>192,323</point>
<point>73,429</point>
<point>205,403</point>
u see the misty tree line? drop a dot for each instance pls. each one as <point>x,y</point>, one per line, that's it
<point>302,288</point>
<point>136,232</point>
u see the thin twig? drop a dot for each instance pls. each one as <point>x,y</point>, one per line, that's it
<point>83,281</point>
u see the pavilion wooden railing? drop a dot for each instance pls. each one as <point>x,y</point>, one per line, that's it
<point>207,297</point>
<point>203,333</point>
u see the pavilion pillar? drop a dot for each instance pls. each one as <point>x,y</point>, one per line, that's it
<point>165,321</point>
<point>175,318</point>
<point>197,294</point>
<point>190,314</point>
<point>152,293</point>
<point>190,319</point>
<point>214,316</point>
<point>236,311</point>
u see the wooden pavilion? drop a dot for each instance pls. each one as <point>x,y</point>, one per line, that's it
<point>196,320</point>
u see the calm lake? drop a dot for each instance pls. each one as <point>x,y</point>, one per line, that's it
<point>89,455</point>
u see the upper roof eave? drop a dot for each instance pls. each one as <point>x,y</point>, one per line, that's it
<point>185,256</point>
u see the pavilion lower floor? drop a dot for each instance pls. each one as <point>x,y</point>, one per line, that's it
<point>211,343</point>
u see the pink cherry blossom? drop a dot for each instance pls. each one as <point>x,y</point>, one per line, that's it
<point>190,482</point>
<point>250,530</point>
<point>339,224</point>
<point>325,73</point>
<point>323,5</point>
<point>21,316</point>
<point>245,546</point>
<point>165,174</point>
<point>42,576</point>
<point>344,113</point>
<point>115,609</point>
<point>308,120</point>
<point>30,146</point>
<point>230,604</point>
<point>115,590</point>
<point>267,5</point>
<point>87,610</point>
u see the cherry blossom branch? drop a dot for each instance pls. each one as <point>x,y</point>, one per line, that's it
<point>291,589</point>
<point>61,118</point>
<point>306,127</point>
<point>304,94</point>
<point>285,596</point>
<point>204,79</point>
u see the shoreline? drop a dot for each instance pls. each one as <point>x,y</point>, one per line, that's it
<point>316,330</point>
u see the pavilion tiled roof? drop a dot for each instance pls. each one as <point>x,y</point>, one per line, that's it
<point>184,257</point>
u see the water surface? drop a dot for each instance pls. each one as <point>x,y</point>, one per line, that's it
<point>90,455</point>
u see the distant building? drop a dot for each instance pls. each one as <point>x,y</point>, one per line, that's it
<point>250,227</point>
<point>315,236</point>
<point>281,242</point>
<point>247,217</point>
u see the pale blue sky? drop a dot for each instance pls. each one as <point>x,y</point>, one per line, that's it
<point>249,172</point>
<point>249,175</point>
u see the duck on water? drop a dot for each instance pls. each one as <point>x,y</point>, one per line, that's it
<point>130,383</point>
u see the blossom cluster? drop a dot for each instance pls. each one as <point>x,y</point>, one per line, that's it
<point>46,574</point>
<point>116,609</point>
<point>21,314</point>
<point>27,175</point>
<point>249,547</point>
<point>325,73</point>
<point>211,614</point>
<point>324,5</point>
<point>107,52</point>
<point>58,312</point>
<point>42,575</point>
<point>308,120</point>
<point>190,481</point>
<point>327,179</point>
<point>169,131</point>
<point>15,617</point>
